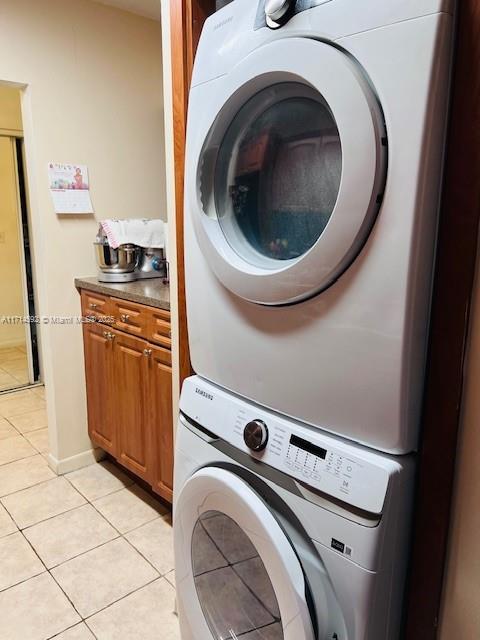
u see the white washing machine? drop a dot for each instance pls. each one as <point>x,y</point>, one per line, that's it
<point>294,536</point>
<point>314,164</point>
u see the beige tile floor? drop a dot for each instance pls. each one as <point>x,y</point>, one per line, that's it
<point>83,556</point>
<point>13,368</point>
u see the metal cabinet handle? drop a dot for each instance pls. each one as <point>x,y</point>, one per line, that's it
<point>147,352</point>
<point>108,335</point>
<point>93,305</point>
<point>124,317</point>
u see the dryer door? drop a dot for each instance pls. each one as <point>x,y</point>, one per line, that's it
<point>237,574</point>
<point>286,163</point>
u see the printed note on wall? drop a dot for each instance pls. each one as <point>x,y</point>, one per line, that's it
<point>70,188</point>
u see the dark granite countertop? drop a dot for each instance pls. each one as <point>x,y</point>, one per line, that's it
<point>151,292</point>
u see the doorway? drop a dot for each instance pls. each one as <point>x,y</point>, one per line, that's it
<point>19,365</point>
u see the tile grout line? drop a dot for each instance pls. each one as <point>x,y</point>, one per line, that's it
<point>82,619</point>
<point>165,515</point>
<point>36,554</point>
<point>147,584</point>
<point>99,497</point>
<point>122,535</point>
<point>36,484</point>
<point>72,627</point>
<point>31,455</point>
<point>83,553</point>
<point>49,572</point>
<point>35,575</point>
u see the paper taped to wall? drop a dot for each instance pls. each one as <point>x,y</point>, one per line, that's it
<point>70,188</point>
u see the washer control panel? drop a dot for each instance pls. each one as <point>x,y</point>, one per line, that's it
<point>351,473</point>
<point>311,458</point>
<point>312,464</point>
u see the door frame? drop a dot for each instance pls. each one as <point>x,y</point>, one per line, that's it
<point>16,139</point>
<point>451,305</point>
<point>29,289</point>
<point>186,22</point>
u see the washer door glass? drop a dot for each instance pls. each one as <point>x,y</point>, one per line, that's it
<point>278,173</point>
<point>238,574</point>
<point>233,587</point>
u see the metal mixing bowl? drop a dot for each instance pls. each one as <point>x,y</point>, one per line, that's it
<point>122,260</point>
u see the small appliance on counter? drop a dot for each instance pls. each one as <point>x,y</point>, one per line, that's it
<point>128,250</point>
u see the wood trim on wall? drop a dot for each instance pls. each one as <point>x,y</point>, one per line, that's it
<point>454,277</point>
<point>186,22</point>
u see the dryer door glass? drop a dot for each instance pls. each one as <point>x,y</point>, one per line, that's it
<point>278,173</point>
<point>233,587</point>
<point>286,168</point>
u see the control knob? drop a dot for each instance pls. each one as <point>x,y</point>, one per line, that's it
<point>255,435</point>
<point>278,12</point>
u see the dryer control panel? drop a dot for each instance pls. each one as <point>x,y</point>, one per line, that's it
<point>282,9</point>
<point>351,473</point>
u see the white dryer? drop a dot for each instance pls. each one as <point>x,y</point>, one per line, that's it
<point>313,174</point>
<point>294,536</point>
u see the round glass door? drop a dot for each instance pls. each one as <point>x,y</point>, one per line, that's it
<point>237,573</point>
<point>232,583</point>
<point>286,168</point>
<point>278,174</point>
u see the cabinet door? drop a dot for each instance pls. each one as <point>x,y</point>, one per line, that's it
<point>160,392</point>
<point>98,372</point>
<point>130,380</point>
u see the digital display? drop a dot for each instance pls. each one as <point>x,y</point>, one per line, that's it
<point>308,446</point>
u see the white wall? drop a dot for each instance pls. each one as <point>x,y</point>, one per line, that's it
<point>461,600</point>
<point>93,96</point>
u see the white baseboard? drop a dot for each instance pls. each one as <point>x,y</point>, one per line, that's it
<point>60,467</point>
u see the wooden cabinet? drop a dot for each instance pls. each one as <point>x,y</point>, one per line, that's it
<point>160,379</point>
<point>100,388</point>
<point>95,305</point>
<point>130,316</point>
<point>129,391</point>
<point>159,328</point>
<point>131,377</point>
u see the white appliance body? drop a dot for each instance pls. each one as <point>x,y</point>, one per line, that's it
<point>307,539</point>
<point>308,290</point>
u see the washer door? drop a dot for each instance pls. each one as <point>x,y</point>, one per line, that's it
<point>285,179</point>
<point>237,574</point>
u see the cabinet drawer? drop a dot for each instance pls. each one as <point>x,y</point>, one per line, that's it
<point>95,304</point>
<point>130,317</point>
<point>160,328</point>
<point>162,356</point>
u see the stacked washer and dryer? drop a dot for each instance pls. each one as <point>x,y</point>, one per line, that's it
<point>315,144</point>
